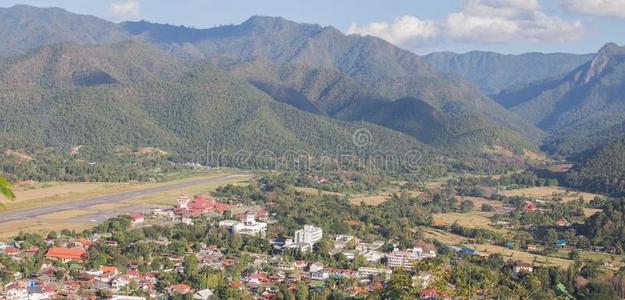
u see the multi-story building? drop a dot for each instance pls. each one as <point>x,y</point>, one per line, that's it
<point>247,226</point>
<point>309,235</point>
<point>405,259</point>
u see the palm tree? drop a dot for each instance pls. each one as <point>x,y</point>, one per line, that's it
<point>5,190</point>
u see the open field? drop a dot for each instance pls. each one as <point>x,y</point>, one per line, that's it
<point>473,219</point>
<point>369,199</point>
<point>10,229</point>
<point>449,238</point>
<point>547,193</point>
<point>80,215</point>
<point>442,236</point>
<point>478,201</point>
<point>521,255</point>
<point>314,191</point>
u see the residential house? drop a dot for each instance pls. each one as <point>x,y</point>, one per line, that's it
<point>66,254</point>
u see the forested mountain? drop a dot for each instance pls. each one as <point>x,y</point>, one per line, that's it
<point>602,171</point>
<point>494,72</point>
<point>583,103</point>
<point>71,65</point>
<point>25,27</point>
<point>205,105</point>
<point>391,72</point>
<point>138,84</point>
<point>330,92</point>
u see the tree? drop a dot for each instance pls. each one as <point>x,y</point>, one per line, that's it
<point>466,205</point>
<point>5,190</point>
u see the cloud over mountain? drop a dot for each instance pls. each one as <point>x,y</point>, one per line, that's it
<point>484,21</point>
<point>128,9</point>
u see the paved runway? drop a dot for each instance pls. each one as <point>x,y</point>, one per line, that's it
<point>44,210</point>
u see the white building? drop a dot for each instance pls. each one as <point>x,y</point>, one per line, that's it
<point>247,226</point>
<point>364,272</point>
<point>405,259</point>
<point>16,293</point>
<point>309,235</point>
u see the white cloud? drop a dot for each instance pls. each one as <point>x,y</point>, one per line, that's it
<point>479,21</point>
<point>402,30</point>
<point>493,21</point>
<point>609,8</point>
<point>128,9</point>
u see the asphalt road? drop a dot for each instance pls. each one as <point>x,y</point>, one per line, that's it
<point>44,210</point>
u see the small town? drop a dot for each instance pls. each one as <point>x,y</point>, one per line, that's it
<point>64,270</point>
<point>241,242</point>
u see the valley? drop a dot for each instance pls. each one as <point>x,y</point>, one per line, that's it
<point>276,159</point>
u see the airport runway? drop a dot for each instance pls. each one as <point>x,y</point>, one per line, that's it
<point>44,210</point>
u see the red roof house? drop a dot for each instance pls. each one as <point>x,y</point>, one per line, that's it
<point>529,206</point>
<point>11,251</point>
<point>136,218</point>
<point>66,253</point>
<point>180,288</point>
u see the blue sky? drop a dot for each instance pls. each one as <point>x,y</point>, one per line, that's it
<point>507,26</point>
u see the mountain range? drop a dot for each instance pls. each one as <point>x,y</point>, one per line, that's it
<point>274,84</point>
<point>581,109</point>
<point>494,72</point>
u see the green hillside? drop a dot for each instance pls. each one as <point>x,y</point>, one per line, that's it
<point>579,108</point>
<point>494,72</point>
<point>602,171</point>
<point>391,72</point>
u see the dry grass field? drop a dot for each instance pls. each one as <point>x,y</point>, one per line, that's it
<point>313,191</point>
<point>449,238</point>
<point>522,255</point>
<point>41,226</point>
<point>473,219</point>
<point>369,199</point>
<point>548,192</point>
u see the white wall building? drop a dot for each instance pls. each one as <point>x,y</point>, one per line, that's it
<point>247,226</point>
<point>405,259</point>
<point>309,235</point>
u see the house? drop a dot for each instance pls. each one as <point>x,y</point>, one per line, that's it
<point>423,280</point>
<point>11,251</point>
<point>180,288</point>
<point>315,267</point>
<point>137,218</point>
<point>373,256</point>
<point>533,247</point>
<point>203,294</point>
<point>522,267</point>
<point>120,282</point>
<point>561,243</point>
<point>562,223</point>
<point>109,270</point>
<point>432,294</point>
<point>66,254</point>
<point>529,206</point>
